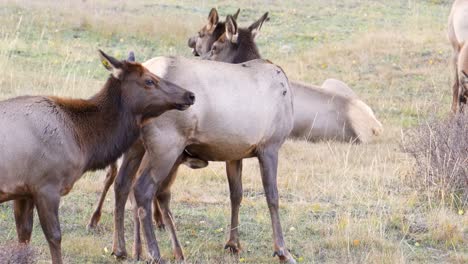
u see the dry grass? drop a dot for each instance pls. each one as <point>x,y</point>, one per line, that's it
<point>12,253</point>
<point>440,151</point>
<point>340,203</point>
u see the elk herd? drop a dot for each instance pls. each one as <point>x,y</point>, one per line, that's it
<point>227,105</point>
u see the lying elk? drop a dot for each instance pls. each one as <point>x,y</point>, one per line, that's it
<point>47,143</point>
<point>215,129</point>
<point>458,37</point>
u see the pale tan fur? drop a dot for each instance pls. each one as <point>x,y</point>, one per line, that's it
<point>458,36</point>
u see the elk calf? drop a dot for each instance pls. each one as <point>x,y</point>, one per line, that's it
<point>47,143</point>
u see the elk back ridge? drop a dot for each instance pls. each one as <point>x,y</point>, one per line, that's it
<point>209,113</point>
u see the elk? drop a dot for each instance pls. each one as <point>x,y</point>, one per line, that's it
<point>48,142</point>
<point>208,34</point>
<point>458,37</point>
<point>250,117</point>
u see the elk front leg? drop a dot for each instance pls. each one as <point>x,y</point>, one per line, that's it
<point>122,187</point>
<point>268,159</point>
<point>137,247</point>
<point>47,203</point>
<point>155,172</point>
<point>234,174</point>
<point>110,177</point>
<point>144,191</point>
<point>157,215</point>
<point>24,218</point>
<point>164,199</point>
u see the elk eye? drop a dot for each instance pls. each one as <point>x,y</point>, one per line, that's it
<point>200,34</point>
<point>149,82</point>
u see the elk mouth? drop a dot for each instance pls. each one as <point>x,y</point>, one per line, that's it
<point>182,107</point>
<point>189,99</point>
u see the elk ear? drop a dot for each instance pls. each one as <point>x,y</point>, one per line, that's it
<point>257,25</point>
<point>231,29</point>
<point>111,64</point>
<point>236,14</point>
<point>213,19</point>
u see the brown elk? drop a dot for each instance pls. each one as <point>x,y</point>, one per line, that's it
<point>112,173</point>
<point>458,37</point>
<point>47,143</point>
<point>208,34</point>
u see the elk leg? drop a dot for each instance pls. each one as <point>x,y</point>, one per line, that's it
<point>137,247</point>
<point>164,199</point>
<point>47,203</point>
<point>144,190</point>
<point>122,186</point>
<point>455,87</point>
<point>268,159</point>
<point>152,176</point>
<point>110,177</point>
<point>157,215</point>
<point>234,174</point>
<point>189,161</point>
<point>24,218</point>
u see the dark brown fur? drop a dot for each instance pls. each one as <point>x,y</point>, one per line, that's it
<point>93,118</point>
<point>245,49</point>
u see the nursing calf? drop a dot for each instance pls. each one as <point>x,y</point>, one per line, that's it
<point>47,143</point>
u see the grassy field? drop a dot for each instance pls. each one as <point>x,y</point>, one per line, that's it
<point>340,203</point>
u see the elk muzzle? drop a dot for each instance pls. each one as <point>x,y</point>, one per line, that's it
<point>189,98</point>
<point>192,43</point>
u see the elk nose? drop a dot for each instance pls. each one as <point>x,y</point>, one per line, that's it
<point>191,42</point>
<point>190,97</point>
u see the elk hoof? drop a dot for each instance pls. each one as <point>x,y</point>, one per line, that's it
<point>154,261</point>
<point>137,254</point>
<point>94,221</point>
<point>233,247</point>
<point>91,227</point>
<point>121,255</point>
<point>179,258</point>
<point>284,256</point>
<point>160,226</point>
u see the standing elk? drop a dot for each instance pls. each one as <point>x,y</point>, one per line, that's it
<point>458,37</point>
<point>47,143</point>
<point>242,111</point>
